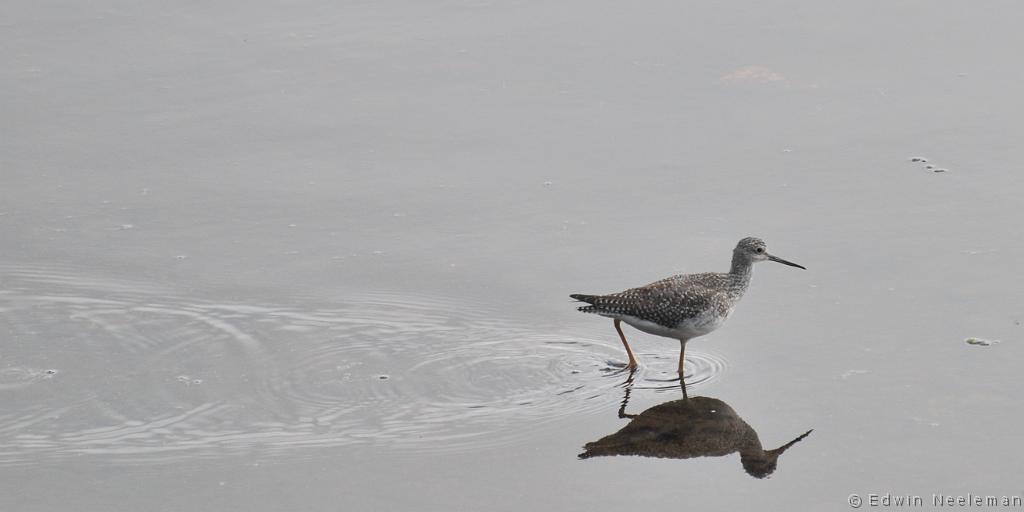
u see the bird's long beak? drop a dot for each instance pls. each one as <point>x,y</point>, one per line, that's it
<point>784,262</point>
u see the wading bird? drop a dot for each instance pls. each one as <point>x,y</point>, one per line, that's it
<point>684,306</point>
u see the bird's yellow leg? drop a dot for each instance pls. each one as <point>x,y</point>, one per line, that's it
<point>632,360</point>
<point>682,358</point>
<point>682,364</point>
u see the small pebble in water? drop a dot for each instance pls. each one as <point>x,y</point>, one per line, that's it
<point>938,170</point>
<point>980,342</point>
<point>383,377</point>
<point>918,159</point>
<point>929,166</point>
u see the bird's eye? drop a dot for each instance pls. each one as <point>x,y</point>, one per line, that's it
<point>760,249</point>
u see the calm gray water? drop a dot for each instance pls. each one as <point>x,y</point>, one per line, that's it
<point>316,256</point>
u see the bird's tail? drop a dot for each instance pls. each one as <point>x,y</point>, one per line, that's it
<point>589,299</point>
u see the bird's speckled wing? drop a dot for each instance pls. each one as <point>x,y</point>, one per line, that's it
<point>666,302</point>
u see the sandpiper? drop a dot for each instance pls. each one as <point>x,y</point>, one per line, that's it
<point>683,306</point>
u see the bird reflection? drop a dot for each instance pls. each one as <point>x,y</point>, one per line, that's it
<point>687,428</point>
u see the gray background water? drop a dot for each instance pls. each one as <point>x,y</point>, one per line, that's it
<point>315,255</point>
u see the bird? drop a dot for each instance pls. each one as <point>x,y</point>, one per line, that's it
<point>683,306</point>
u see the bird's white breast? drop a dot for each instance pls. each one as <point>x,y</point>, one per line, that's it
<point>692,327</point>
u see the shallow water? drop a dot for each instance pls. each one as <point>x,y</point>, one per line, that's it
<point>268,257</point>
<point>210,379</point>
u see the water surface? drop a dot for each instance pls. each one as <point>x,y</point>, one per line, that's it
<point>267,256</point>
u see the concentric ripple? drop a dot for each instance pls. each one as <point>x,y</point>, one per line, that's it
<point>662,374</point>
<point>128,371</point>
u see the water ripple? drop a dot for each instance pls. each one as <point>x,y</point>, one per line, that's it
<point>133,372</point>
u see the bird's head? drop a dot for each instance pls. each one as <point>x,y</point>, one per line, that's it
<point>754,249</point>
